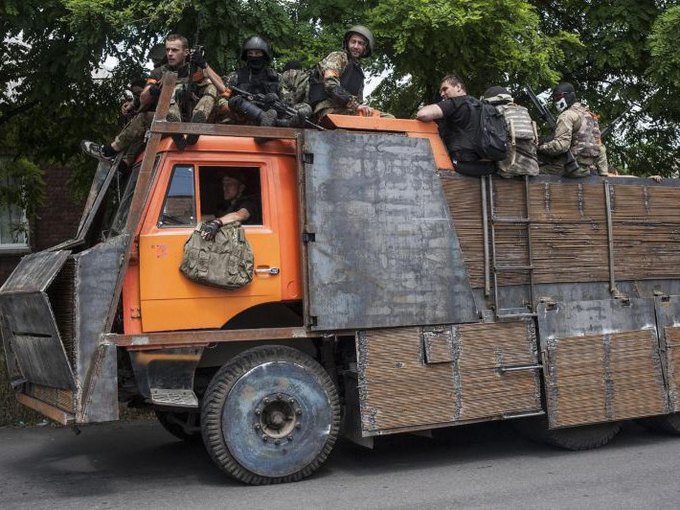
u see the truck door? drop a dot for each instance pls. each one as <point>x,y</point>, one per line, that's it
<point>186,193</point>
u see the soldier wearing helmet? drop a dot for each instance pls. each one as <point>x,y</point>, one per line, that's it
<point>256,77</point>
<point>577,129</point>
<point>337,83</point>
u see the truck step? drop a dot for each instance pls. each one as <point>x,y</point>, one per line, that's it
<point>174,397</point>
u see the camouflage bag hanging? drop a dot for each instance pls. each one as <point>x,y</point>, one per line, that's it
<point>227,262</point>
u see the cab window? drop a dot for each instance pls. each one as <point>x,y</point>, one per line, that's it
<point>226,189</point>
<point>179,207</point>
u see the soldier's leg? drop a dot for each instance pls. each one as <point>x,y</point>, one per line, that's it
<point>206,103</point>
<point>203,109</point>
<point>133,132</point>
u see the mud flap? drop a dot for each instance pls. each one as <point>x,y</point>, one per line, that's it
<point>33,343</point>
<point>601,361</point>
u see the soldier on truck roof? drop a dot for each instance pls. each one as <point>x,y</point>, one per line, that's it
<point>132,135</point>
<point>337,82</point>
<point>256,77</point>
<point>577,129</point>
<point>461,118</point>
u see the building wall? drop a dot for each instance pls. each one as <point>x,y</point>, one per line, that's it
<point>57,220</point>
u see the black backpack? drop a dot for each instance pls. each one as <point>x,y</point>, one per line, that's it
<point>492,138</point>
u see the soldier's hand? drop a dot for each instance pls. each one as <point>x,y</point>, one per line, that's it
<point>364,110</point>
<point>209,230</point>
<point>127,107</point>
<point>198,59</point>
<point>270,98</point>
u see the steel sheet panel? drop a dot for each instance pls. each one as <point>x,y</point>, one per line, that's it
<point>384,251</point>
<point>601,361</point>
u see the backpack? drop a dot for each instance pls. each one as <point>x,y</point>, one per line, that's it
<point>522,142</point>
<point>492,138</point>
<point>226,262</point>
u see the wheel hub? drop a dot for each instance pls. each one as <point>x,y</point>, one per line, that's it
<point>277,416</point>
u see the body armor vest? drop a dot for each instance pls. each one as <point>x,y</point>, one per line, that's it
<point>264,82</point>
<point>520,125</point>
<point>585,143</point>
<point>352,80</point>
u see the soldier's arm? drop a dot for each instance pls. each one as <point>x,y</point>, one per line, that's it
<point>602,163</point>
<point>150,92</point>
<point>430,112</point>
<point>331,69</point>
<point>563,133</point>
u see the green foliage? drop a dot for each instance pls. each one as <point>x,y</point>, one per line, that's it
<point>21,185</point>
<point>486,43</point>
<point>617,52</point>
<point>665,66</point>
<point>627,61</point>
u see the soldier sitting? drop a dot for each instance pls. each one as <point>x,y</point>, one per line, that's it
<point>337,82</point>
<point>236,205</point>
<point>522,134</point>
<point>577,129</point>
<point>199,104</point>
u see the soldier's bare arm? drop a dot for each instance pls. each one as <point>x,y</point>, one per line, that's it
<point>430,112</point>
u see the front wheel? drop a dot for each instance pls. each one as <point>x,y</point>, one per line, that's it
<point>270,415</point>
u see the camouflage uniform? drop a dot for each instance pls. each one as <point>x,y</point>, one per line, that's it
<point>187,104</point>
<point>330,71</point>
<point>295,90</point>
<point>577,129</point>
<point>131,138</point>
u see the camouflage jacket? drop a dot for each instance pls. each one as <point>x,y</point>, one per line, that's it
<point>330,69</point>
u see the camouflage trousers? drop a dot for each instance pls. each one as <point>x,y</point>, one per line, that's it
<point>555,166</point>
<point>131,138</point>
<point>187,105</point>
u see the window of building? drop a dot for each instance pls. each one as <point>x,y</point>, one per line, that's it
<point>13,225</point>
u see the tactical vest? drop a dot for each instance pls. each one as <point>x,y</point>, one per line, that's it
<point>523,140</point>
<point>352,80</point>
<point>263,82</point>
<point>585,143</point>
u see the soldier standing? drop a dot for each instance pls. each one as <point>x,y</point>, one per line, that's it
<point>577,129</point>
<point>337,82</point>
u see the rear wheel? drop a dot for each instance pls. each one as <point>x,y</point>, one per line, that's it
<point>585,437</point>
<point>270,415</point>
<point>668,424</point>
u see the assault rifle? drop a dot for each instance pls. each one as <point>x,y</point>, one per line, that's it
<point>570,165</point>
<point>613,123</point>
<point>278,105</point>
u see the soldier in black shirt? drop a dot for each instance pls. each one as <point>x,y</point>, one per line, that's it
<point>235,206</point>
<point>460,118</point>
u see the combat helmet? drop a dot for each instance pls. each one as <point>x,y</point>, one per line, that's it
<point>256,43</point>
<point>364,32</point>
<point>564,96</point>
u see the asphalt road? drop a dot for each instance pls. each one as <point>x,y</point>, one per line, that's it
<point>139,465</point>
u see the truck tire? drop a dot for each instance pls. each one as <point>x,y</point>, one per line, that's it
<point>184,426</point>
<point>585,437</point>
<point>270,415</point>
<point>668,424</point>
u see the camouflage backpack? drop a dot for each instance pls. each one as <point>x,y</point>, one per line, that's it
<point>226,262</point>
<point>522,142</point>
